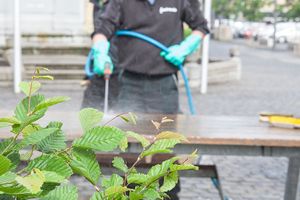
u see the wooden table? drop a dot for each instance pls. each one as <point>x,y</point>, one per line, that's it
<point>213,135</point>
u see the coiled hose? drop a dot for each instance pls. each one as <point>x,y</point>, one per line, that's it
<point>157,44</point>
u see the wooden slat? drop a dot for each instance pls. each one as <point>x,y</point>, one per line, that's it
<point>206,130</point>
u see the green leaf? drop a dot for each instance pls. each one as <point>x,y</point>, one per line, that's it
<point>160,170</point>
<point>6,178</point>
<point>5,164</point>
<point>101,139</point>
<point>129,118</point>
<point>114,191</point>
<point>170,182</point>
<point>63,192</point>
<point>22,108</point>
<point>36,137</point>
<point>139,138</point>
<point>89,118</point>
<point>6,197</point>
<point>14,157</point>
<point>163,145</point>
<point>52,177</point>
<point>151,194</point>
<point>98,196</point>
<point>25,87</point>
<point>123,144</point>
<point>114,180</point>
<point>53,142</point>
<point>137,178</point>
<point>135,196</point>
<point>50,102</point>
<point>176,167</point>
<point>31,128</point>
<point>119,163</point>
<point>4,144</point>
<point>51,163</point>
<point>84,163</point>
<point>170,135</point>
<point>33,182</point>
<point>45,77</point>
<point>10,120</point>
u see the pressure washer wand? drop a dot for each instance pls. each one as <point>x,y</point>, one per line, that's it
<point>107,73</point>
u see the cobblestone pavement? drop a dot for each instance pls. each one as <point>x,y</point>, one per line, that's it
<point>269,83</point>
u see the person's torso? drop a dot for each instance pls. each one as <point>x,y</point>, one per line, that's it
<point>160,21</point>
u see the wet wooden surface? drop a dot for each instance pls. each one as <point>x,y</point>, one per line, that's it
<point>208,130</point>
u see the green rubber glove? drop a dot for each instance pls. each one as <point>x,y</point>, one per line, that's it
<point>178,53</point>
<point>102,62</point>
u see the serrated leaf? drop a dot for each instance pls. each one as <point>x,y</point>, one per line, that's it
<point>30,129</point>
<point>51,163</point>
<point>5,164</point>
<point>22,108</point>
<point>22,115</point>
<point>163,145</point>
<point>170,135</point>
<point>119,163</point>
<point>137,178</point>
<point>52,177</point>
<point>33,182</point>
<point>63,192</point>
<point>54,142</point>
<point>14,157</point>
<point>115,190</point>
<point>50,102</point>
<point>25,87</point>
<point>8,177</point>
<point>101,139</point>
<point>45,77</point>
<point>176,167</point>
<point>84,163</point>
<point>135,196</point>
<point>98,196</point>
<point>151,194</point>
<point>123,144</point>
<point>10,120</point>
<point>170,182</point>
<point>89,118</point>
<point>4,144</point>
<point>36,137</point>
<point>114,180</point>
<point>8,185</point>
<point>139,138</point>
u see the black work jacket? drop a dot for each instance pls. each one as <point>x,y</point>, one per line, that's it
<point>162,21</point>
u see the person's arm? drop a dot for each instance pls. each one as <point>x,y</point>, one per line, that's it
<point>105,26</point>
<point>192,15</point>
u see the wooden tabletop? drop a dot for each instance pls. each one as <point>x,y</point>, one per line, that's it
<point>207,130</point>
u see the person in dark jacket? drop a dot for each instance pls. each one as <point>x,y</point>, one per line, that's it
<point>149,80</point>
<point>149,83</point>
<point>94,93</point>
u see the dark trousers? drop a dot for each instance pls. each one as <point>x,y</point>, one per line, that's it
<point>148,94</point>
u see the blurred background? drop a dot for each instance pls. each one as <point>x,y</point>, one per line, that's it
<point>254,66</point>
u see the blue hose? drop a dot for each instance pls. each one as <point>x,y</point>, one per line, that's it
<point>163,48</point>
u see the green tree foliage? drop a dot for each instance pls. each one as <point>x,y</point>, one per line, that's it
<point>46,176</point>
<point>293,10</point>
<point>250,10</point>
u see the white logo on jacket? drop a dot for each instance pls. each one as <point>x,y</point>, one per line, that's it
<point>163,10</point>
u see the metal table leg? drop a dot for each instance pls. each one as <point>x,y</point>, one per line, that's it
<point>292,179</point>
